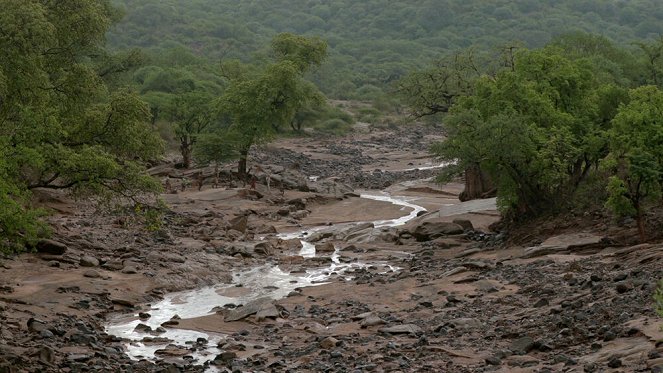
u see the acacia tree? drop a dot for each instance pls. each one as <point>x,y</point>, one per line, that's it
<point>258,105</point>
<point>533,129</point>
<point>192,114</point>
<point>60,125</point>
<point>637,154</point>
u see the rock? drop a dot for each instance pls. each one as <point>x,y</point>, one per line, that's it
<point>493,360</point>
<point>465,224</point>
<point>89,261</point>
<point>51,247</point>
<point>114,265</point>
<point>46,333</point>
<point>143,328</point>
<point>240,223</point>
<point>130,270</point>
<point>173,257</point>
<point>248,309</point>
<point>465,323</point>
<point>123,302</point>
<point>523,345</point>
<point>430,230</point>
<point>226,356</point>
<point>36,326</point>
<point>565,243</point>
<point>402,329</point>
<point>541,303</point>
<point>327,247</point>
<point>614,362</point>
<point>372,320</point>
<point>46,355</point>
<point>267,311</point>
<point>299,214</point>
<point>144,315</point>
<point>263,248</point>
<point>330,186</point>
<point>91,273</point>
<point>329,343</point>
<point>623,287</point>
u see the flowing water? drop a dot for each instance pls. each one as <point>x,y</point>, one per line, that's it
<point>264,281</point>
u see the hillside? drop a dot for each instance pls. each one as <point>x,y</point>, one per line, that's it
<point>373,42</point>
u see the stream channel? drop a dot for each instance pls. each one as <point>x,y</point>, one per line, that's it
<point>267,280</point>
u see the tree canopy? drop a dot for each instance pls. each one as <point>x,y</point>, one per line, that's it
<point>374,42</point>
<point>62,122</point>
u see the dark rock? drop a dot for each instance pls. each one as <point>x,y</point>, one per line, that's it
<point>493,360</point>
<point>144,315</point>
<point>522,346</point>
<point>430,230</point>
<point>465,224</point>
<point>51,247</point>
<point>541,303</point>
<point>143,328</point>
<point>623,287</point>
<point>614,362</point>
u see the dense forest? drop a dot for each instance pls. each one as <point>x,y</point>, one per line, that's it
<point>372,43</point>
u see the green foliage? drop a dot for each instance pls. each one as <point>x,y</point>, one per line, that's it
<point>217,147</point>
<point>532,127</point>
<point>259,106</point>
<point>636,145</point>
<point>374,42</point>
<point>64,124</point>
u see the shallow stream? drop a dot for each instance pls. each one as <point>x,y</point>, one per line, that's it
<point>264,281</point>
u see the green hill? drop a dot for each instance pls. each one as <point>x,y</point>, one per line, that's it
<point>374,42</point>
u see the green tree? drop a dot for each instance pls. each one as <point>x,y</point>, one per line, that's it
<point>60,124</point>
<point>435,89</point>
<point>259,105</point>
<point>636,144</point>
<point>533,129</point>
<point>191,113</point>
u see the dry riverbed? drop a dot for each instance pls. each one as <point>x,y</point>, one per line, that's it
<point>373,286</point>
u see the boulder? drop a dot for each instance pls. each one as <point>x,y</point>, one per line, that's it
<point>331,187</point>
<point>465,223</point>
<point>51,247</point>
<point>327,247</point>
<point>263,248</point>
<point>239,223</point>
<point>430,230</point>
<point>89,261</point>
<point>249,309</point>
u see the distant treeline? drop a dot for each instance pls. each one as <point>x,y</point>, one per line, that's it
<point>373,43</point>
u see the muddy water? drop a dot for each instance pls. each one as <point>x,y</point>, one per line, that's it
<point>264,281</point>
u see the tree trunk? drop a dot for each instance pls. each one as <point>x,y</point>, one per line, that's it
<point>640,219</point>
<point>185,149</point>
<point>241,165</point>
<point>477,184</point>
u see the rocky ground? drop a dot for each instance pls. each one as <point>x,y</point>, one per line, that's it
<point>459,298</point>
